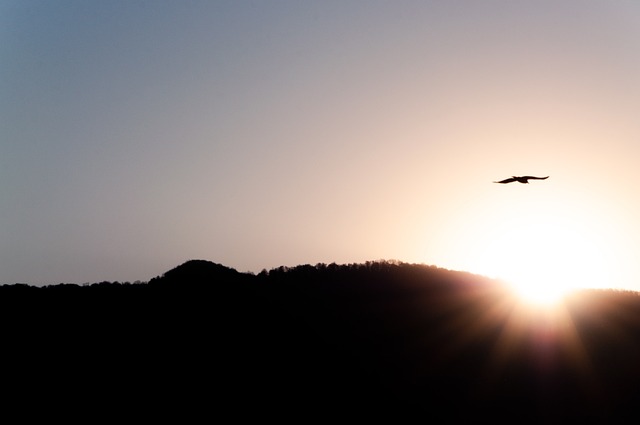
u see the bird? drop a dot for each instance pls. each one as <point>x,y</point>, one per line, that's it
<point>522,179</point>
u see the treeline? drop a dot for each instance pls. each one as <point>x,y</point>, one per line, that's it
<point>378,340</point>
<point>201,272</point>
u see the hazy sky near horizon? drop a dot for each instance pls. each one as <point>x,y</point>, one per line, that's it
<point>135,135</point>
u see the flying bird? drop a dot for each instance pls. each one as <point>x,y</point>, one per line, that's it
<point>522,179</point>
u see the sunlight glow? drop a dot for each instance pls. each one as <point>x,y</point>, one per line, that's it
<point>544,255</point>
<point>552,258</point>
<point>539,295</point>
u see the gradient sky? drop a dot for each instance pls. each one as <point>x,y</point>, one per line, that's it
<point>135,135</point>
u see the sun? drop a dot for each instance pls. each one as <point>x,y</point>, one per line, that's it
<point>555,256</point>
<point>544,256</point>
<point>543,292</point>
<point>553,259</point>
<point>543,243</point>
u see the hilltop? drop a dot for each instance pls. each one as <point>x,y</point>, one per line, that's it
<point>367,340</point>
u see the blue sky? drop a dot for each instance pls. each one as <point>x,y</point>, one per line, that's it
<point>137,135</point>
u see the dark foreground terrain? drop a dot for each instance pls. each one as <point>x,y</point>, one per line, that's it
<point>381,340</point>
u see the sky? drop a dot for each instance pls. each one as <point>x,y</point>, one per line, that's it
<point>136,135</point>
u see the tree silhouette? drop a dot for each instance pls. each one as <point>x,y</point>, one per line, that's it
<point>372,339</point>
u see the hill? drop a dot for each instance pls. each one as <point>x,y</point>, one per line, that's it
<point>373,340</point>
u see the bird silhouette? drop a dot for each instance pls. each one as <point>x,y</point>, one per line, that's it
<point>522,179</point>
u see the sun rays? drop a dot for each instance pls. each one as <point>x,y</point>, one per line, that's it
<point>540,340</point>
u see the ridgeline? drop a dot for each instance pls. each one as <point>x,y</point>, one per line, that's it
<point>374,340</point>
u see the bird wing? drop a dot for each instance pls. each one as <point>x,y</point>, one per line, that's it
<point>509,180</point>
<point>535,178</point>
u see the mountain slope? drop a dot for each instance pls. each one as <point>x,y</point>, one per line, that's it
<point>373,339</point>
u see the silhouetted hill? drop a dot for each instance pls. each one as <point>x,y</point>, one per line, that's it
<point>374,340</point>
<point>197,272</point>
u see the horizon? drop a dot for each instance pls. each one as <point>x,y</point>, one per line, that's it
<point>137,136</point>
<point>531,298</point>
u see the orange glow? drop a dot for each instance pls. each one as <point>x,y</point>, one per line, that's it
<point>540,241</point>
<point>555,254</point>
